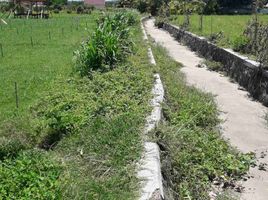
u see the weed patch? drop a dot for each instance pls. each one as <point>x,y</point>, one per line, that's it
<point>33,175</point>
<point>213,66</point>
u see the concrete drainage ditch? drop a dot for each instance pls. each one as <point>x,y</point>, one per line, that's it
<point>150,166</point>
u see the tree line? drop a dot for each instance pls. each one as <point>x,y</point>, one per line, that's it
<point>207,6</point>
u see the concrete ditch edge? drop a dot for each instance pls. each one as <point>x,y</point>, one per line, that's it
<point>243,70</point>
<point>150,165</point>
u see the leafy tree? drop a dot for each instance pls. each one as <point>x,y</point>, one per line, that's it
<point>142,5</point>
<point>127,3</point>
<point>154,6</point>
<point>212,6</point>
<point>57,2</point>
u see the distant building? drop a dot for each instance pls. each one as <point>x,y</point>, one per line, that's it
<point>24,1</point>
<point>95,3</point>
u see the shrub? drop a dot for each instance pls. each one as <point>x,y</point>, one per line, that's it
<point>257,36</point>
<point>57,7</point>
<point>100,53</point>
<point>109,44</point>
<point>213,65</point>
<point>5,7</point>
<point>20,9</point>
<point>14,137</point>
<point>240,44</point>
<point>159,22</point>
<point>142,6</point>
<point>80,10</point>
<point>10,147</point>
<point>56,11</point>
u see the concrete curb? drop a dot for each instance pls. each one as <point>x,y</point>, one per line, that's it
<point>150,166</point>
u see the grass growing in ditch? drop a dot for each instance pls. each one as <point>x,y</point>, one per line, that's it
<point>232,26</point>
<point>99,123</point>
<point>193,152</point>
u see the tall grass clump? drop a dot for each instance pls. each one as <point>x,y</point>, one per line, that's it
<point>109,44</point>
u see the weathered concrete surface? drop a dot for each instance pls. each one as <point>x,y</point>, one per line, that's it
<point>245,71</point>
<point>150,172</point>
<point>243,124</point>
<point>150,166</point>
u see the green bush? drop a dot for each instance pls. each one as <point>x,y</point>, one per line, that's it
<point>159,22</point>
<point>79,10</point>
<point>56,11</point>
<point>31,176</point>
<point>240,44</point>
<point>109,45</point>
<point>257,36</point>
<point>213,65</point>
<point>11,147</point>
<point>101,52</point>
<point>142,6</point>
<point>82,9</point>
<point>5,7</point>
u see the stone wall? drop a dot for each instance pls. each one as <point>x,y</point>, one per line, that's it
<point>246,72</point>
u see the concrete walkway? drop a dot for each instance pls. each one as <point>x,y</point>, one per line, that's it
<point>244,123</point>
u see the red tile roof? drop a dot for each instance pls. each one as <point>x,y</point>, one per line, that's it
<point>97,3</point>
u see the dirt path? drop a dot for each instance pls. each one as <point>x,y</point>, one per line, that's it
<point>244,123</point>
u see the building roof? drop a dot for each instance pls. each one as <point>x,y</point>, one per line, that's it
<point>96,3</point>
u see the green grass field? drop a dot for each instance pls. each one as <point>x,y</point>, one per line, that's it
<point>95,123</point>
<point>232,26</point>
<point>34,67</point>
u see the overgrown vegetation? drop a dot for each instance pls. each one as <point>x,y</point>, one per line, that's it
<point>32,175</point>
<point>91,125</point>
<point>109,44</point>
<point>257,41</point>
<point>193,152</point>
